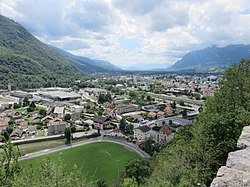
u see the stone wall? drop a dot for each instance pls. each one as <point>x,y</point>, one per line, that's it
<point>236,173</point>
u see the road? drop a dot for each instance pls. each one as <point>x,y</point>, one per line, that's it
<point>92,140</point>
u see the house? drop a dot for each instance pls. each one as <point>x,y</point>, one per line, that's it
<point>152,115</point>
<point>124,108</point>
<point>59,112</point>
<point>173,121</point>
<point>32,130</point>
<point>168,109</point>
<point>4,122</point>
<point>142,133</point>
<point>10,113</point>
<point>75,116</point>
<point>16,115</point>
<point>138,117</point>
<point>56,126</point>
<point>46,118</point>
<point>22,124</point>
<point>110,112</point>
<point>150,108</point>
<point>116,133</point>
<point>36,119</point>
<point>164,134</point>
<point>179,121</point>
<point>76,108</point>
<point>101,122</point>
<point>160,115</point>
<point>17,134</point>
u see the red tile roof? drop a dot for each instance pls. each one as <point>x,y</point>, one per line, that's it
<point>166,130</point>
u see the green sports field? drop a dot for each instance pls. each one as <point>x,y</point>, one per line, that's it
<point>97,160</point>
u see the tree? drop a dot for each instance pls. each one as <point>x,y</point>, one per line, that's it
<point>214,134</point>
<point>32,105</point>
<point>67,134</point>
<point>9,129</point>
<point>73,128</point>
<point>30,109</point>
<point>101,183</point>
<point>173,105</point>
<point>5,136</point>
<point>151,147</point>
<point>67,117</point>
<point>42,112</point>
<point>11,122</point>
<point>129,182</point>
<point>181,102</point>
<point>16,106</point>
<point>138,169</point>
<point>149,98</point>
<point>75,88</point>
<point>26,102</point>
<point>122,125</point>
<point>9,166</point>
<point>184,113</point>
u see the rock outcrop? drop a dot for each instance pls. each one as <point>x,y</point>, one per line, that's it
<point>236,173</point>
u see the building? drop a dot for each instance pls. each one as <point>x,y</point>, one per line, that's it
<point>76,108</point>
<point>21,94</point>
<point>75,116</point>
<point>101,122</point>
<point>4,122</point>
<point>173,121</point>
<point>135,79</point>
<point>142,133</point>
<point>60,95</point>
<point>56,126</point>
<point>124,108</point>
<point>59,112</point>
<point>116,133</point>
<point>164,134</point>
<point>94,90</point>
<point>150,108</point>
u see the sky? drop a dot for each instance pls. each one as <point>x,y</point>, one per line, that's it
<point>133,33</point>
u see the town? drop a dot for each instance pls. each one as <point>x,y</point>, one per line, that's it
<point>144,109</point>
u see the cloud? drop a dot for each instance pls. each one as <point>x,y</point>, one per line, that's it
<point>91,15</point>
<point>138,7</point>
<point>133,32</point>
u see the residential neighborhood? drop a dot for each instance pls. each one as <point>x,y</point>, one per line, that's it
<point>135,108</point>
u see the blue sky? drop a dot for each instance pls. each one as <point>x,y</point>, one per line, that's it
<point>148,33</point>
<point>130,43</point>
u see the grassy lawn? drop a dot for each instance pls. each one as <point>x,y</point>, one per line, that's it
<point>97,160</point>
<point>23,110</point>
<point>38,146</point>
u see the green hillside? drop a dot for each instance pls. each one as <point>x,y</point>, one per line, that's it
<point>212,59</point>
<point>27,62</point>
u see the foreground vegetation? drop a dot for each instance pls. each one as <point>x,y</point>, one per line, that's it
<point>195,155</point>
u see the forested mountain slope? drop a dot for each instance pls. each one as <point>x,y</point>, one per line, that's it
<point>27,62</point>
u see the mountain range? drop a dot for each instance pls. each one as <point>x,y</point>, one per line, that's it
<point>27,62</point>
<point>86,64</point>
<point>212,59</point>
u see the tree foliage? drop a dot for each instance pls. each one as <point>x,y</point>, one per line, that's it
<point>49,173</point>
<point>67,134</point>
<point>195,154</point>
<point>138,169</point>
